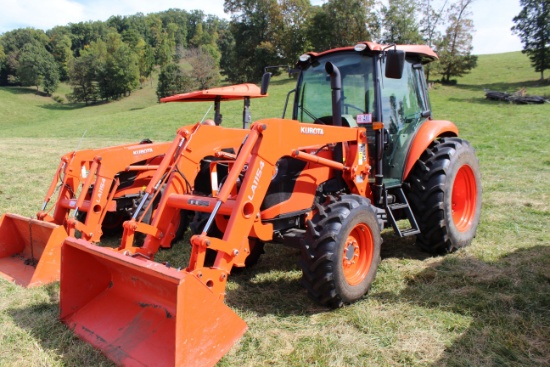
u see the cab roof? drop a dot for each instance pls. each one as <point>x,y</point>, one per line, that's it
<point>425,52</point>
<point>229,93</point>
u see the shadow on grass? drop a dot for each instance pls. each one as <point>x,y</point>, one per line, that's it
<point>41,322</point>
<point>401,248</point>
<point>63,106</point>
<point>285,81</point>
<point>503,87</point>
<point>24,90</point>
<point>272,287</point>
<point>508,301</point>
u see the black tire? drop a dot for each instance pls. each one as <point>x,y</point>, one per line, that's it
<point>183,225</point>
<point>139,238</point>
<point>256,252</point>
<point>328,273</point>
<point>198,223</point>
<point>444,191</point>
<point>111,225</point>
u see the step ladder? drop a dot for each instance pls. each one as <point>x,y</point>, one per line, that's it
<point>393,204</point>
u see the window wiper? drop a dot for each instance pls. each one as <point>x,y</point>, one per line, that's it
<point>312,116</point>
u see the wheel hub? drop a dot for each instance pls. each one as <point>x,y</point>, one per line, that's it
<point>357,254</point>
<point>464,198</point>
<point>350,251</point>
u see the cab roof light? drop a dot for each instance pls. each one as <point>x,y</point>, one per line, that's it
<point>360,47</point>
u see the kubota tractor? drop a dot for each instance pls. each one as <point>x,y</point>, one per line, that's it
<point>97,190</point>
<point>360,153</point>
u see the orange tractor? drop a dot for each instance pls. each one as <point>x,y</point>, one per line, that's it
<point>97,190</point>
<point>361,153</point>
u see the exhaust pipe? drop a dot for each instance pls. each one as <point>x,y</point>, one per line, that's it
<point>336,86</point>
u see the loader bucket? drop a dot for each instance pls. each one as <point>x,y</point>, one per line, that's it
<point>30,250</point>
<point>142,313</point>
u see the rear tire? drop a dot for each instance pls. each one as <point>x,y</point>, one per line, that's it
<point>341,251</point>
<point>444,192</point>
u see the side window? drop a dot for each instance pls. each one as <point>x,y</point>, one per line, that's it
<point>401,100</point>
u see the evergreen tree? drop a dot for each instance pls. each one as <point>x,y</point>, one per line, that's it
<point>532,25</point>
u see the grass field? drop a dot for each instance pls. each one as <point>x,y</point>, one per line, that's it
<point>485,305</point>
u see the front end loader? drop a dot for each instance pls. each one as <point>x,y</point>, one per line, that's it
<point>97,190</point>
<point>361,153</point>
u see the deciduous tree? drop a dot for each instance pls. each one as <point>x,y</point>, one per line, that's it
<point>400,25</point>
<point>37,67</point>
<point>205,70</point>
<point>2,58</point>
<point>173,80</point>
<point>343,23</point>
<point>455,48</point>
<point>256,26</point>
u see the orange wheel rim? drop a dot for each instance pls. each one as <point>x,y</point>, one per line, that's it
<point>464,198</point>
<point>358,253</point>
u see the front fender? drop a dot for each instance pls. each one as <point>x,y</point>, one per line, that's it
<point>426,134</point>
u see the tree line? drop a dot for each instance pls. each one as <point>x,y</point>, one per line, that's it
<point>192,50</point>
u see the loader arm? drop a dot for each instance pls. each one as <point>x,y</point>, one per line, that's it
<point>190,146</point>
<point>100,187</point>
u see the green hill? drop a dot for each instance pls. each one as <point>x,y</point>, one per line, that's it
<point>485,305</point>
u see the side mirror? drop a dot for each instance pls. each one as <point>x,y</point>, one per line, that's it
<point>265,83</point>
<point>395,62</point>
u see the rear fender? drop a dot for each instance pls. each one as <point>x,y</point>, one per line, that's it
<point>426,134</point>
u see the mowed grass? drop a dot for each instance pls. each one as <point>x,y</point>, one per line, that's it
<point>485,305</point>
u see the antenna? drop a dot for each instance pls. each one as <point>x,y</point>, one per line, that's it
<point>81,138</point>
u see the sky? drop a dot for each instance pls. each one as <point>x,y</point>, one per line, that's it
<point>492,18</point>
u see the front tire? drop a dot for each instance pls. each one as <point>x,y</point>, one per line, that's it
<point>445,195</point>
<point>341,251</point>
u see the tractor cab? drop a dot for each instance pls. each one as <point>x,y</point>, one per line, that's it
<point>378,84</point>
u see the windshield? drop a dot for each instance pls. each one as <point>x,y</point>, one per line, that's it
<point>403,104</point>
<point>314,97</point>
